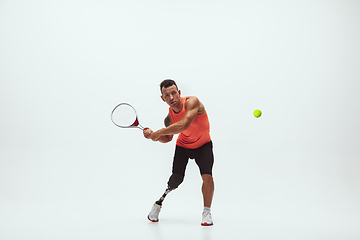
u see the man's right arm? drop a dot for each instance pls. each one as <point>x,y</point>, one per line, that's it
<point>167,121</point>
<point>166,138</point>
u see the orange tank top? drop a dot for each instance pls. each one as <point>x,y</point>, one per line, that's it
<point>197,134</point>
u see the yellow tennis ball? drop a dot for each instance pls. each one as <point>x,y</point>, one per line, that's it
<point>257,113</point>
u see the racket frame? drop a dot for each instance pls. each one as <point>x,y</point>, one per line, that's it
<point>136,123</point>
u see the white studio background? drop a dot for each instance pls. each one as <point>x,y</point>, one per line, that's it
<point>66,172</point>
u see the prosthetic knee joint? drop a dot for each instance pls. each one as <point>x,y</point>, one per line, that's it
<point>174,181</point>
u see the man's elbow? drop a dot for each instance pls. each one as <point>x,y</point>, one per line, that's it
<point>166,139</point>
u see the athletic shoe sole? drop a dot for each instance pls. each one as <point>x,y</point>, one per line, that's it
<point>207,224</point>
<point>152,220</point>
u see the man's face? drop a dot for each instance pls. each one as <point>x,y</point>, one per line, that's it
<point>171,95</point>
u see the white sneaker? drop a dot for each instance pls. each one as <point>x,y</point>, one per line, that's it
<point>206,219</point>
<point>154,213</point>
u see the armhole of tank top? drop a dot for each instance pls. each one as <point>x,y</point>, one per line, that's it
<point>171,115</point>
<point>183,108</point>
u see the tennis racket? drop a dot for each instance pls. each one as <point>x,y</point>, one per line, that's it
<point>124,115</point>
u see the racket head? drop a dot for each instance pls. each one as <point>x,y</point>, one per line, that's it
<point>125,116</point>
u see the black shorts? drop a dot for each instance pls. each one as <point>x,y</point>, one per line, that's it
<point>203,156</point>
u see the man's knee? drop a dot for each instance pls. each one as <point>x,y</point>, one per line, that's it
<point>175,180</point>
<point>207,178</point>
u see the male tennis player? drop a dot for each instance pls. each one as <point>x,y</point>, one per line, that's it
<point>187,116</point>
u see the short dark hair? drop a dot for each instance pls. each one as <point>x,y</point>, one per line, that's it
<point>167,83</point>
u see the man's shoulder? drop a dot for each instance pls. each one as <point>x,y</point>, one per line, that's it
<point>192,102</point>
<point>191,99</point>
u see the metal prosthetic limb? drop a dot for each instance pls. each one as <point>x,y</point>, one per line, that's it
<point>159,202</point>
<point>174,181</point>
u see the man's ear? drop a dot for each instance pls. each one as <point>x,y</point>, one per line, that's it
<point>162,98</point>
<point>179,93</point>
